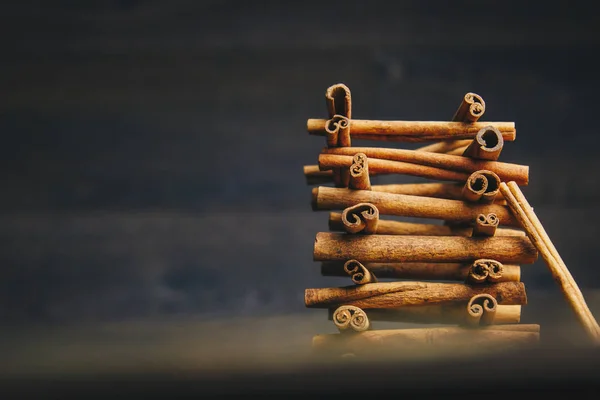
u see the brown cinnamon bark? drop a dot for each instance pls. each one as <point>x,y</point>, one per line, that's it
<point>391,227</point>
<point>412,131</point>
<point>359,172</point>
<point>350,318</point>
<point>486,225</point>
<point>487,145</point>
<point>480,271</point>
<point>505,171</point>
<point>459,151</point>
<point>361,217</point>
<point>332,161</point>
<point>535,230</point>
<point>482,186</point>
<point>460,313</point>
<point>359,273</point>
<point>452,338</point>
<point>314,176</point>
<point>399,294</point>
<point>471,108</point>
<point>397,248</point>
<point>327,198</point>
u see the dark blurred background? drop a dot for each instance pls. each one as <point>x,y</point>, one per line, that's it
<point>152,151</point>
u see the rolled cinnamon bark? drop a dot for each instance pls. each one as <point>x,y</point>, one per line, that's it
<point>358,272</point>
<point>314,176</point>
<point>480,271</point>
<point>459,151</point>
<point>332,161</point>
<point>397,341</point>
<point>397,248</point>
<point>359,173</point>
<point>327,198</point>
<point>361,217</point>
<point>487,145</point>
<point>399,294</point>
<point>390,227</point>
<point>482,186</point>
<point>412,131</point>
<point>348,318</point>
<point>460,313</point>
<point>505,171</point>
<point>486,225</point>
<point>338,100</point>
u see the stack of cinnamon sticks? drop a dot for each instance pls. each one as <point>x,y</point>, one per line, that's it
<point>461,274</point>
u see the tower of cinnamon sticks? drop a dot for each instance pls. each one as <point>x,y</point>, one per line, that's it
<point>463,272</point>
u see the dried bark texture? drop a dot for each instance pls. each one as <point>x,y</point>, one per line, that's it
<point>505,171</point>
<point>397,248</point>
<point>404,293</point>
<point>482,186</point>
<point>391,227</point>
<point>328,198</point>
<point>486,225</point>
<point>492,338</point>
<point>480,271</point>
<point>362,217</point>
<point>487,145</point>
<point>412,131</point>
<point>359,172</point>
<point>358,272</point>
<point>535,230</point>
<point>385,167</point>
<point>314,176</point>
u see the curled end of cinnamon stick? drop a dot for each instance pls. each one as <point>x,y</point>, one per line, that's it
<point>487,270</point>
<point>361,217</point>
<point>359,273</point>
<point>359,172</point>
<point>482,309</point>
<point>471,108</point>
<point>486,225</point>
<point>483,186</point>
<point>350,318</point>
<point>487,145</point>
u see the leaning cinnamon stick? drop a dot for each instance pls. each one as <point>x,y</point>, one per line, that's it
<point>479,271</point>
<point>400,294</point>
<point>487,145</point>
<point>391,227</point>
<point>412,131</point>
<point>327,198</point>
<point>332,161</point>
<point>535,230</point>
<point>455,338</point>
<point>361,217</point>
<point>472,107</point>
<point>397,248</point>
<point>359,172</point>
<point>506,171</point>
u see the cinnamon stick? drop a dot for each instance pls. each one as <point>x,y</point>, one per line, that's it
<point>487,145</point>
<point>536,232</point>
<point>348,318</point>
<point>461,313</point>
<point>412,131</point>
<point>454,338</point>
<point>327,198</point>
<point>486,225</point>
<point>314,176</point>
<point>358,272</point>
<point>459,151</point>
<point>332,161</point>
<point>399,294</point>
<point>361,217</point>
<point>505,171</point>
<point>391,227</point>
<point>481,186</point>
<point>479,271</point>
<point>338,100</point>
<point>359,172</point>
<point>471,108</point>
<point>397,248</point>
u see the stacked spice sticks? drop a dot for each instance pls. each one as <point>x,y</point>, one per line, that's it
<point>462,273</point>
